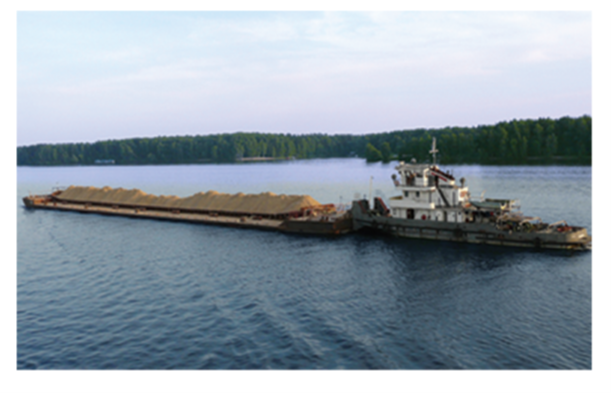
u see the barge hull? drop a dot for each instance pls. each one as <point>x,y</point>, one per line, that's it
<point>315,227</point>
<point>338,227</point>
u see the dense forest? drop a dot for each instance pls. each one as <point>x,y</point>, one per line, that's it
<point>543,141</point>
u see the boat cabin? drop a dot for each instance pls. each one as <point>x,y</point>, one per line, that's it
<point>428,193</point>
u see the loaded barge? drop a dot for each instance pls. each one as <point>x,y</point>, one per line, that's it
<point>286,213</point>
<point>430,205</point>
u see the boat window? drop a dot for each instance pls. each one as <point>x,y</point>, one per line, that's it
<point>406,193</point>
<point>417,194</point>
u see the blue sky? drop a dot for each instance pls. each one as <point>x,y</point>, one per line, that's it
<point>87,76</point>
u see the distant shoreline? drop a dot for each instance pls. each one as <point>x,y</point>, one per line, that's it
<point>518,142</point>
<point>560,162</point>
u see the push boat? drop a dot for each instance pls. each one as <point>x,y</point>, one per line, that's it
<point>431,205</point>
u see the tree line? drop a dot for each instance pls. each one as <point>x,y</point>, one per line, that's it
<point>565,140</point>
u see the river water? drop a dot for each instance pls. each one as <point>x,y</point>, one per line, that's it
<point>97,292</point>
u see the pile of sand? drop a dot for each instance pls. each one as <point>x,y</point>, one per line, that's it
<point>266,203</point>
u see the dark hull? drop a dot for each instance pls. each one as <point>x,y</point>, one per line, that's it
<point>338,227</point>
<point>478,233</point>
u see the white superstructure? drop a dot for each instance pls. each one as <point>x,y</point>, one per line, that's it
<point>428,193</point>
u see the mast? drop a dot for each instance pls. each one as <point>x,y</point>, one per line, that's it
<point>370,193</point>
<point>434,151</point>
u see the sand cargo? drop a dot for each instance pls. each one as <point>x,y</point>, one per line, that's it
<point>288,213</point>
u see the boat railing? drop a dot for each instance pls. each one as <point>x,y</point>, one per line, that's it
<point>531,220</point>
<point>558,223</point>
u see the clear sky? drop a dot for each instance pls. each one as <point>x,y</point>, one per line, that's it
<point>87,76</point>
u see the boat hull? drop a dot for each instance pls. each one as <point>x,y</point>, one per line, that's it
<point>319,227</point>
<point>477,233</point>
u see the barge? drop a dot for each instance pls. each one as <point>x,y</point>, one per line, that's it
<point>286,213</point>
<point>430,205</point>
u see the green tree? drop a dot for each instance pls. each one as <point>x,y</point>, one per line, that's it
<point>372,154</point>
<point>386,152</point>
<point>514,142</point>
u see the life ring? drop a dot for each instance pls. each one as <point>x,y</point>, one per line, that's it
<point>424,216</point>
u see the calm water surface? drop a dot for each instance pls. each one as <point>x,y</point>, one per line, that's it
<point>98,292</point>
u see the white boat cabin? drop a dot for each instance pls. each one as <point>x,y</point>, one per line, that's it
<point>428,193</point>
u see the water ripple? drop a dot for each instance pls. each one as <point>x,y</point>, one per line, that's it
<point>114,293</point>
